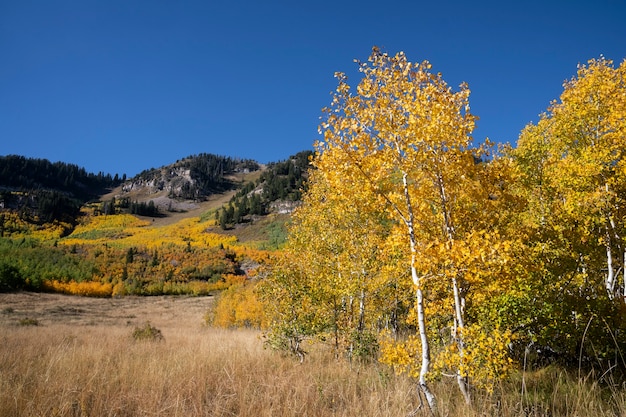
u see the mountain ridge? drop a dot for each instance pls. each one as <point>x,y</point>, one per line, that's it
<point>42,191</point>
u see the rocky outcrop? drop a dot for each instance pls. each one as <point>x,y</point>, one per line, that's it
<point>284,206</point>
<point>175,181</point>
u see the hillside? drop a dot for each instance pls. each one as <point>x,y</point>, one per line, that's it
<point>192,178</point>
<point>41,191</point>
<point>160,186</point>
<point>160,232</point>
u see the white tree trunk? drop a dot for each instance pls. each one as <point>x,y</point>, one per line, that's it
<point>458,308</point>
<point>610,274</point>
<point>419,301</point>
<point>613,243</point>
<point>461,380</point>
<point>425,368</point>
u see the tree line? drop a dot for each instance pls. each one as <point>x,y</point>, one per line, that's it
<point>125,204</point>
<point>42,191</point>
<point>19,172</point>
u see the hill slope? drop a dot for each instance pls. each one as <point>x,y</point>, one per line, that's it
<point>41,191</point>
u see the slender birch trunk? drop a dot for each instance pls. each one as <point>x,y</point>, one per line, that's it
<point>624,269</point>
<point>462,381</point>
<point>419,301</point>
<point>610,275</point>
<point>458,309</point>
<point>612,238</point>
<point>361,325</point>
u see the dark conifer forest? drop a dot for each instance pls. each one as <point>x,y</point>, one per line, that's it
<point>48,190</point>
<point>284,180</point>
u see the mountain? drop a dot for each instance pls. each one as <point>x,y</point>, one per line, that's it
<point>278,189</point>
<point>57,232</point>
<point>42,191</point>
<point>194,177</point>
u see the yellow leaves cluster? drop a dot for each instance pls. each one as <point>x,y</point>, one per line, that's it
<point>105,229</point>
<point>485,357</point>
<point>107,289</point>
<point>117,221</point>
<point>51,231</point>
<point>12,225</point>
<point>238,306</point>
<point>403,356</point>
<point>574,161</point>
<point>401,111</point>
<point>86,288</point>
<point>125,230</point>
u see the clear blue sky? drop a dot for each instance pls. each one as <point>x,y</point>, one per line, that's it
<point>121,85</point>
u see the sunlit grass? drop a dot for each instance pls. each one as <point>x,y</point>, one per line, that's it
<point>103,371</point>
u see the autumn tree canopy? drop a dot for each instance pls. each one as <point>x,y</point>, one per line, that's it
<point>397,164</point>
<point>570,183</point>
<point>500,253</point>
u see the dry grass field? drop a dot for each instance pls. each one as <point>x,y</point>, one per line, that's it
<point>82,313</point>
<point>80,359</point>
<point>71,356</point>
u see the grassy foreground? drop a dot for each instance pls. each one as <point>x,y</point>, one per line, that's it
<point>65,369</point>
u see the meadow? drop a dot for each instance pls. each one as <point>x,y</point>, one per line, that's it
<point>64,355</point>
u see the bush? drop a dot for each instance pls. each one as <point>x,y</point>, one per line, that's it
<point>10,278</point>
<point>29,322</point>
<point>147,333</point>
<point>237,306</point>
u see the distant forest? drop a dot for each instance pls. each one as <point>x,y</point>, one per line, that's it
<point>43,191</point>
<point>32,174</point>
<point>284,180</point>
<point>46,190</point>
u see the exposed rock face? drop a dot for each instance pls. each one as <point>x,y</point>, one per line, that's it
<point>192,178</point>
<point>284,206</point>
<point>175,181</point>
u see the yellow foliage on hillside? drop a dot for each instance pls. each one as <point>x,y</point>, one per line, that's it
<point>89,288</point>
<point>121,254</point>
<point>185,257</point>
<point>126,230</point>
<point>238,306</point>
<point>105,229</point>
<point>12,225</point>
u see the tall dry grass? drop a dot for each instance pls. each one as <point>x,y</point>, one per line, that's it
<point>101,371</point>
<point>62,370</point>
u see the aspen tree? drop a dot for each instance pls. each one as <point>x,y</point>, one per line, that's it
<point>406,137</point>
<point>332,257</point>
<point>572,181</point>
<point>573,162</point>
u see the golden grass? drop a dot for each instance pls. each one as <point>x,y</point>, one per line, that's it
<point>85,368</point>
<point>102,371</point>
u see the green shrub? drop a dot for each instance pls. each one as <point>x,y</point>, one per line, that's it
<point>10,278</point>
<point>147,333</point>
<point>29,322</point>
